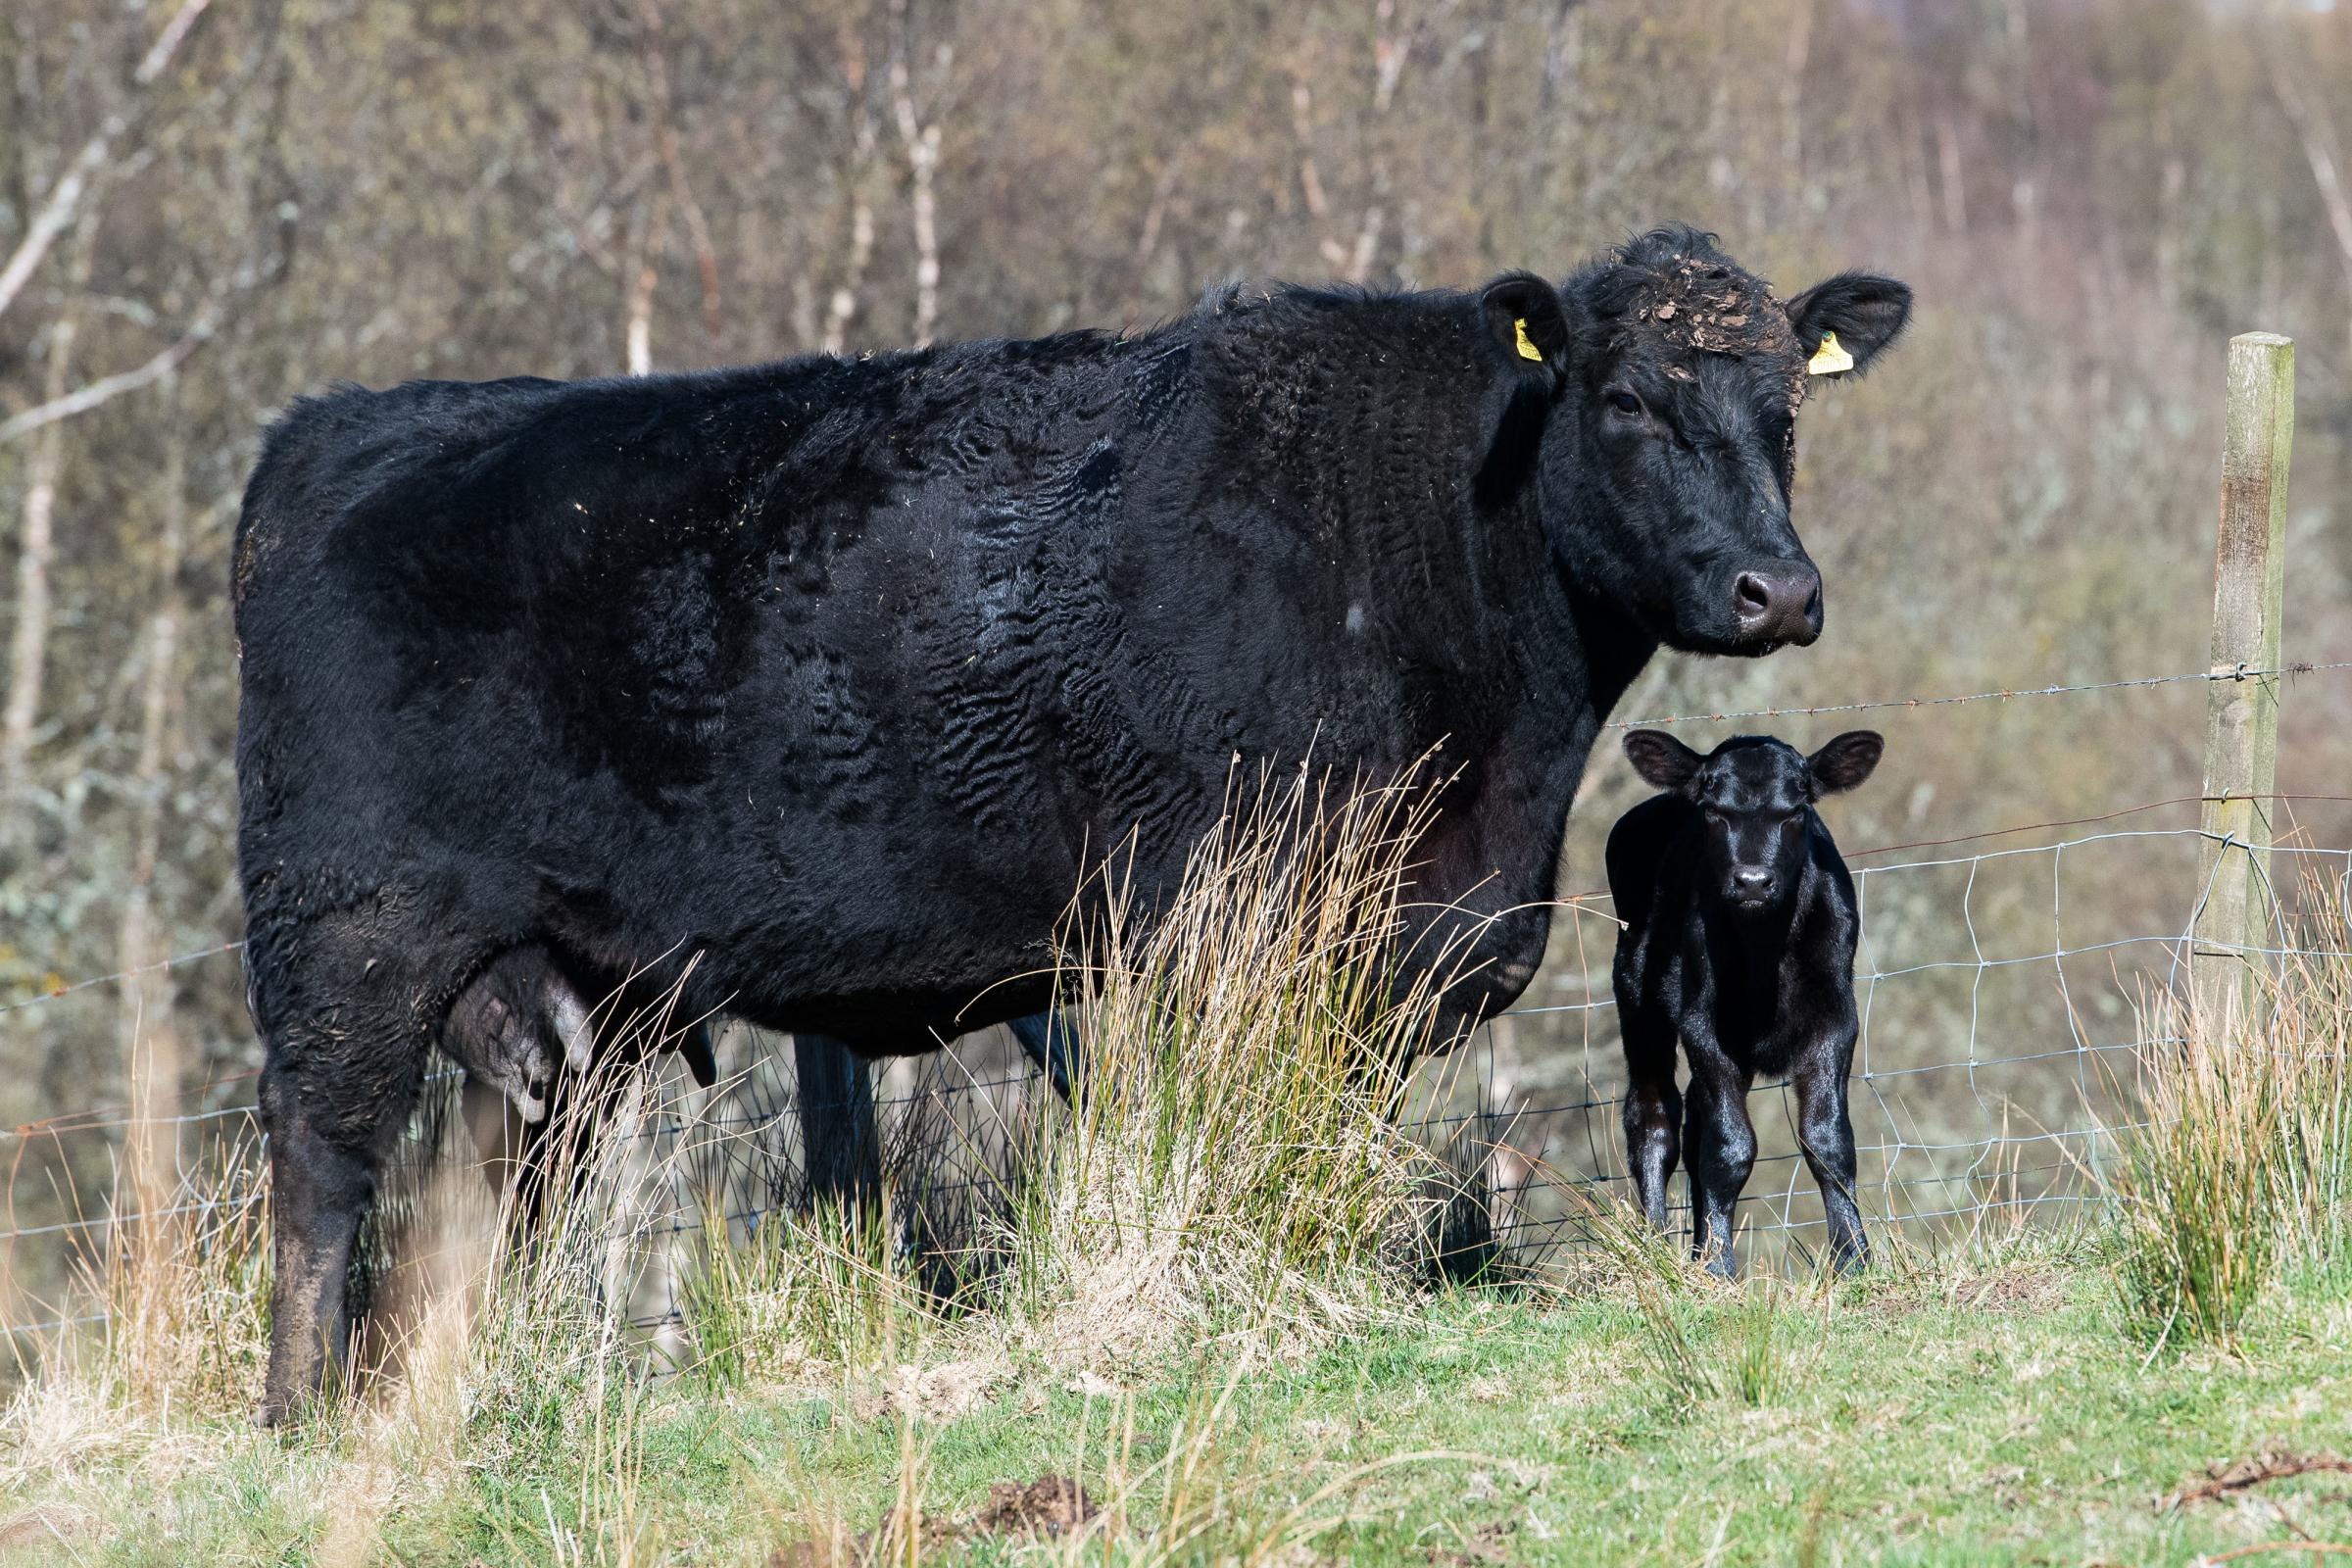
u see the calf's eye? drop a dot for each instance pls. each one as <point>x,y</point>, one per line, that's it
<point>1624,402</point>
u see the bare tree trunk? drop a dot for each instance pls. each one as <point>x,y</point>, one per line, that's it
<point>1391,47</point>
<point>665,139</point>
<point>1311,180</point>
<point>65,197</point>
<point>643,275</point>
<point>29,645</point>
<point>150,1043</point>
<point>1792,94</point>
<point>842,307</point>
<point>1146,240</point>
<point>1955,180</point>
<point>2316,130</point>
<point>2169,192</point>
<point>1563,55</point>
<point>1913,157</point>
<point>921,142</point>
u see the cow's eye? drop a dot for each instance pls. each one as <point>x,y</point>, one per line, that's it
<point>1623,401</point>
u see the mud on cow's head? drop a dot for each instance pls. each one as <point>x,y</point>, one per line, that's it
<point>1672,379</point>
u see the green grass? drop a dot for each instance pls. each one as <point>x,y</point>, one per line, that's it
<point>1951,1417</point>
<point>1203,1298</point>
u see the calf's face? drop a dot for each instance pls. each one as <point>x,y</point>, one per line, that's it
<point>1669,448</point>
<point>1756,797</point>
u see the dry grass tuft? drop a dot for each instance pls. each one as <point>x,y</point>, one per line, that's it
<point>2241,1163</point>
<point>1236,1158</point>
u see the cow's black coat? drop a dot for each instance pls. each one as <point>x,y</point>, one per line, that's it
<point>1739,935</point>
<point>817,689</point>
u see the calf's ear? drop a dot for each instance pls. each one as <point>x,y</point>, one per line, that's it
<point>1663,762</point>
<point>1525,317</point>
<point>1865,312</point>
<point>1844,762</point>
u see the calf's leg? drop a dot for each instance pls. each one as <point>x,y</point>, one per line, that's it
<point>1720,1146</point>
<point>1826,1128</point>
<point>1653,1107</point>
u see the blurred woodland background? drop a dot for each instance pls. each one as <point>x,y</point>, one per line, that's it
<point>208,208</point>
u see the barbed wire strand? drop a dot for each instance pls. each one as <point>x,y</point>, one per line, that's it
<point>2236,673</point>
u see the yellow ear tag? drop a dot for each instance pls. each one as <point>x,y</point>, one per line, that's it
<point>1527,347</point>
<point>1828,359</point>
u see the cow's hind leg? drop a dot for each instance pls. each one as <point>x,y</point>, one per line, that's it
<point>345,1007</point>
<point>841,1145</point>
<point>1050,1040</point>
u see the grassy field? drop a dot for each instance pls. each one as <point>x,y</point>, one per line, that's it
<point>1201,1327</point>
<point>1987,1411</point>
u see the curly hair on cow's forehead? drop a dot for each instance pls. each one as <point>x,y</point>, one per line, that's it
<point>1674,290</point>
<point>1678,283</point>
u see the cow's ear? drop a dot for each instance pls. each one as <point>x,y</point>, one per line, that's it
<point>1524,316</point>
<point>1845,761</point>
<point>1864,312</point>
<point>1663,762</point>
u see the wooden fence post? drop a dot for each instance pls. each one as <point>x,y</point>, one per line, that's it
<point>2241,713</point>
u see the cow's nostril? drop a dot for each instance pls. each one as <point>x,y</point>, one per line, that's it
<point>1753,596</point>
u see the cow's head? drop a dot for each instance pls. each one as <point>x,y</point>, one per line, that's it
<point>1672,379</point>
<point>1755,796</point>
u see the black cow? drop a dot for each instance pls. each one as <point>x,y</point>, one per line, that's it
<point>818,689</point>
<point>1738,936</point>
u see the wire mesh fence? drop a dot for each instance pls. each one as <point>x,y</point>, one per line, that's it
<point>1997,982</point>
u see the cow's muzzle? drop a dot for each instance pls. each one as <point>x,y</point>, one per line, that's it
<point>1776,604</point>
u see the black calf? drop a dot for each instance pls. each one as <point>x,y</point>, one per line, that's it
<point>1739,932</point>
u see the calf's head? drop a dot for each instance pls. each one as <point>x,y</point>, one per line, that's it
<point>1670,379</point>
<point>1756,797</point>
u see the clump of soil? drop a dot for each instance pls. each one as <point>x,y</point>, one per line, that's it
<point>1050,1506</point>
<point>1046,1506</point>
